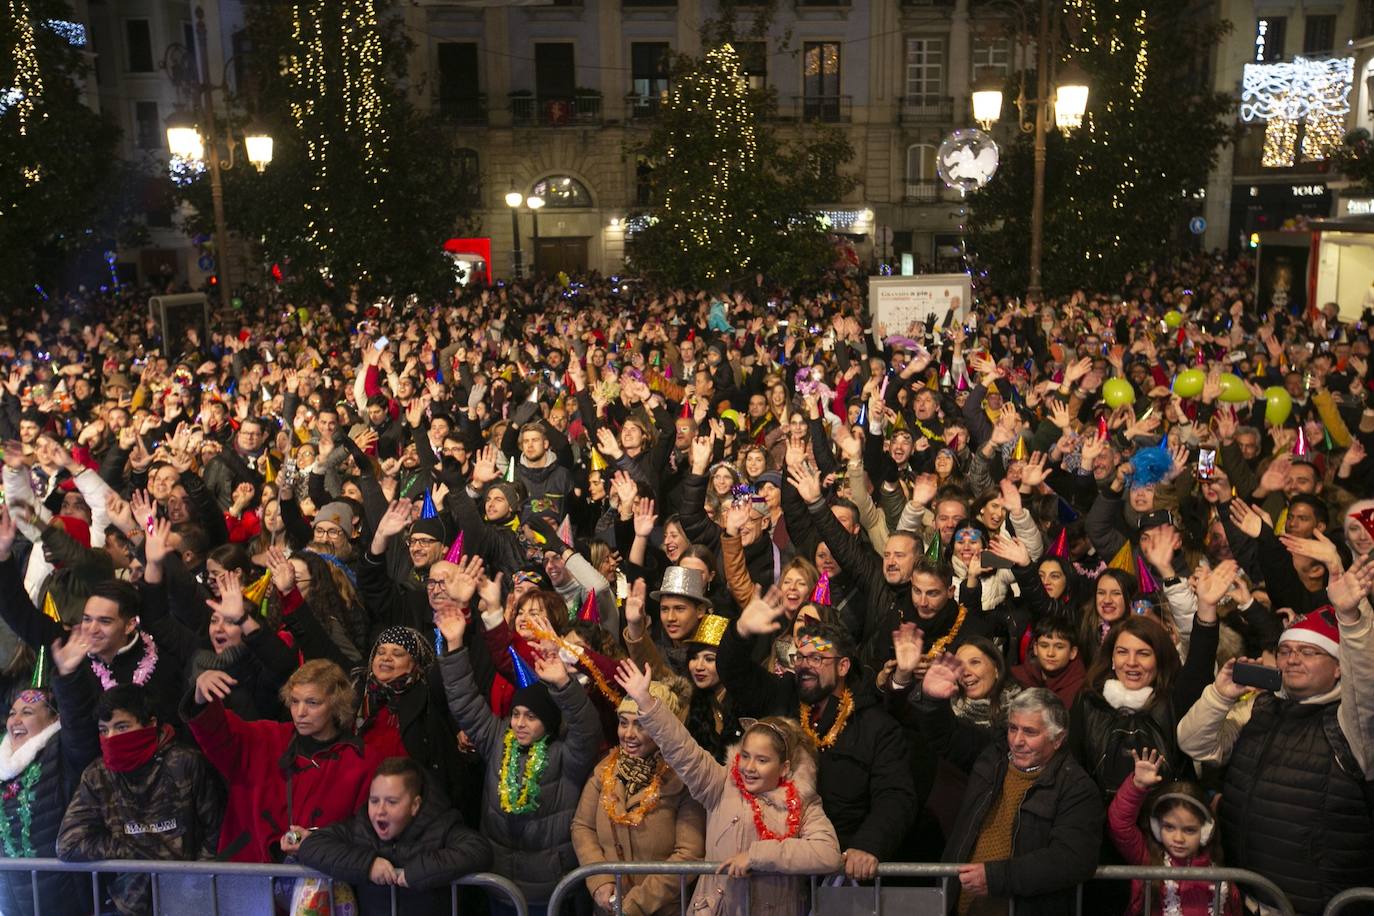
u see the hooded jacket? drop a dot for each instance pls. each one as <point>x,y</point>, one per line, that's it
<point>169,809</point>
<point>434,849</point>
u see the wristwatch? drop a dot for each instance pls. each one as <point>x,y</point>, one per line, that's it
<point>1172,580</point>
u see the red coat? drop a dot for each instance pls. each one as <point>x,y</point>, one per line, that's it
<point>257,759</point>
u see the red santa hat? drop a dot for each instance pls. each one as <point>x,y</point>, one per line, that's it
<point>1318,629</point>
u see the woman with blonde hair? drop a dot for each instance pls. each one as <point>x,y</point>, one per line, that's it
<point>762,810</point>
<point>287,778</point>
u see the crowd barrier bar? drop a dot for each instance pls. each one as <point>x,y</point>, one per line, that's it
<point>1342,900</point>
<point>217,870</point>
<point>1215,876</point>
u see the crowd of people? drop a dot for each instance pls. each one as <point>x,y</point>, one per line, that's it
<point>560,573</point>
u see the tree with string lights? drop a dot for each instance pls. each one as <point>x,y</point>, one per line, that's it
<point>57,157</point>
<point>735,197</point>
<point>1120,189</point>
<point>361,188</point>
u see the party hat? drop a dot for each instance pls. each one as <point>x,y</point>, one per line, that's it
<point>510,471</point>
<point>686,413</point>
<point>598,461</point>
<point>591,612</point>
<point>952,443</point>
<point>427,509</point>
<point>41,668</point>
<point>50,608</point>
<point>1327,442</point>
<point>822,593</point>
<point>1281,525</point>
<point>1301,448</point>
<point>1102,427</point>
<point>963,382</point>
<point>455,550</point>
<point>898,423</point>
<point>935,549</point>
<point>1020,452</point>
<point>1366,519</point>
<point>269,474</point>
<point>1061,545</point>
<point>1067,513</point>
<point>863,414</point>
<point>1124,559</point>
<point>524,677</point>
<point>1147,581</point>
<point>257,590</point>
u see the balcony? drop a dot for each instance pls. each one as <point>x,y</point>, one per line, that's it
<point>645,107</point>
<point>827,109</point>
<point>926,109</point>
<point>464,110</point>
<point>924,191</point>
<point>578,110</point>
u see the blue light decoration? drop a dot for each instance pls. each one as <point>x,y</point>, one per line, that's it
<point>9,97</point>
<point>73,33</point>
<point>114,275</point>
<point>38,289</point>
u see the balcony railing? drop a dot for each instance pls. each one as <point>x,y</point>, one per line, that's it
<point>643,107</point>
<point>927,108</point>
<point>829,109</point>
<point>555,111</point>
<point>924,190</point>
<point>464,110</point>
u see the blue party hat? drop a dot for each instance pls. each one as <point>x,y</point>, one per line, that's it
<point>427,509</point>
<point>1067,513</point>
<point>524,677</point>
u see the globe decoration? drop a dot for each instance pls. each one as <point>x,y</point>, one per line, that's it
<point>967,159</point>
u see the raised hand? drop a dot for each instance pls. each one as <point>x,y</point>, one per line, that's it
<point>489,593</point>
<point>761,616</point>
<point>634,610</point>
<point>1147,767</point>
<point>942,677</point>
<point>909,643</point>
<point>1318,547</point>
<point>607,444</point>
<point>67,656</point>
<point>1011,495</point>
<point>1033,474</point>
<point>701,454</point>
<point>155,547</point>
<point>484,468</point>
<point>1348,589</point>
<point>466,578</point>
<point>1010,549</point>
<point>213,685</point>
<point>282,569</point>
<point>923,489</point>
<point>9,530</point>
<point>453,625</point>
<point>635,682</point>
<point>807,482</point>
<point>645,518</point>
<point>393,521</point>
<point>143,507</point>
<point>1275,477</point>
<point>1246,518</point>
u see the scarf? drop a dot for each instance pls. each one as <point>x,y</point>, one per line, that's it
<point>126,752</point>
<point>379,695</point>
<point>635,772</point>
<point>210,660</point>
<point>14,761</point>
<point>1119,696</point>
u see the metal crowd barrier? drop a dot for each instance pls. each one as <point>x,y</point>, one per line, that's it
<point>1345,898</point>
<point>239,878</point>
<point>684,870</point>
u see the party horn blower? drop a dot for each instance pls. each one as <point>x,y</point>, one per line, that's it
<point>455,550</point>
<point>822,593</point>
<point>524,677</point>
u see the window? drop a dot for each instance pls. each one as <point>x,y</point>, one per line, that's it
<point>925,68</point>
<point>1269,34</point>
<point>555,75</point>
<point>459,85</point>
<point>188,41</point>
<point>562,191</point>
<point>1319,35</point>
<point>753,63</point>
<point>920,163</point>
<point>648,76</point>
<point>147,128</point>
<point>821,80</point>
<point>467,173</point>
<point>991,55</point>
<point>138,38</point>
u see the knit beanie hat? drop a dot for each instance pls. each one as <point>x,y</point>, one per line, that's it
<point>339,513</point>
<point>537,700</point>
<point>1318,629</point>
<point>431,527</point>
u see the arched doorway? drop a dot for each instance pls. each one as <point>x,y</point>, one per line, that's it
<point>554,253</point>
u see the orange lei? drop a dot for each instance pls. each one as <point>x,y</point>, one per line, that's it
<point>841,720</point>
<point>585,663</point>
<point>648,802</point>
<point>943,642</point>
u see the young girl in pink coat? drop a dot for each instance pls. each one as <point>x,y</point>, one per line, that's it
<point>763,816</point>
<point>1182,834</point>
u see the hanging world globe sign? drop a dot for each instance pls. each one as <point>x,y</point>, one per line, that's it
<point>967,159</point>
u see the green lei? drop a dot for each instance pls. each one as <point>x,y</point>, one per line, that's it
<point>25,799</point>
<point>521,796</point>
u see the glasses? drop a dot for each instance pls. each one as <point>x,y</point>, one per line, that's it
<point>812,661</point>
<point>1304,652</point>
<point>435,584</point>
<point>420,541</point>
<point>327,531</point>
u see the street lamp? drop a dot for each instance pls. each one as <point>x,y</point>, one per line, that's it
<point>1065,109</point>
<point>185,141</point>
<point>513,200</point>
<point>535,203</point>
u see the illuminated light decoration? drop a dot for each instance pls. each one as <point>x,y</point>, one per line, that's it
<point>8,97</point>
<point>73,33</point>
<point>1316,92</point>
<point>1142,59</point>
<point>1280,143</point>
<point>28,80</point>
<point>1322,135</point>
<point>638,223</point>
<point>184,170</point>
<point>842,220</point>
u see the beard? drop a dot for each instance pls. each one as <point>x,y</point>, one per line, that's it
<point>812,691</point>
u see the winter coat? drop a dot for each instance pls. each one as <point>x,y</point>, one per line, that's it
<point>59,761</point>
<point>675,831</point>
<point>548,486</point>
<point>534,850</point>
<point>864,780</point>
<point>730,827</point>
<point>276,778</point>
<point>170,809</point>
<point>434,850</point>
<point>1056,841</point>
<point>1196,897</point>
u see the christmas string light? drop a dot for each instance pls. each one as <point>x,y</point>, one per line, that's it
<point>28,79</point>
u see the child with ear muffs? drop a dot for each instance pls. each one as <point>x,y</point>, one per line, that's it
<point>1181,833</point>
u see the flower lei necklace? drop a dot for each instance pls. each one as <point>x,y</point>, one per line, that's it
<point>793,807</point>
<point>527,797</point>
<point>22,790</point>
<point>648,802</point>
<point>941,644</point>
<point>841,720</point>
<point>141,673</point>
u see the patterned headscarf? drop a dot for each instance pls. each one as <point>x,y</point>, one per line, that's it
<point>378,694</point>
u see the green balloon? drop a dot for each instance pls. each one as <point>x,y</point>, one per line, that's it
<point>1118,392</point>
<point>1278,404</point>
<point>1233,390</point>
<point>1173,318</point>
<point>236,302</point>
<point>1189,382</point>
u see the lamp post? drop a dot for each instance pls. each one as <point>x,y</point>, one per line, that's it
<point>535,203</point>
<point>1064,109</point>
<point>513,200</point>
<point>190,72</point>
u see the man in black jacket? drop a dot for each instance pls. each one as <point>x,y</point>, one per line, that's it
<point>864,779</point>
<point>407,838</point>
<point>1031,821</point>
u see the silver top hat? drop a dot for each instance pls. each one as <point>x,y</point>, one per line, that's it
<point>683,583</point>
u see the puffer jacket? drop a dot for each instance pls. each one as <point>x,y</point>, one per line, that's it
<point>534,850</point>
<point>433,850</point>
<point>169,809</point>
<point>730,828</point>
<point>56,771</point>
